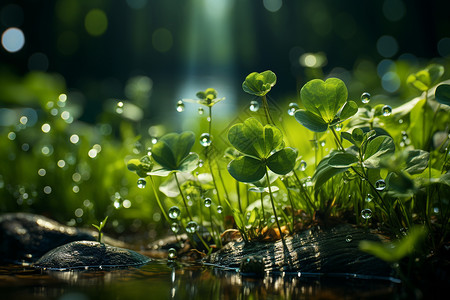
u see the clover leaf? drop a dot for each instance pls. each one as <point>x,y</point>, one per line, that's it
<point>426,78</point>
<point>262,148</point>
<point>325,104</point>
<point>172,153</point>
<point>207,98</point>
<point>443,94</point>
<point>259,84</point>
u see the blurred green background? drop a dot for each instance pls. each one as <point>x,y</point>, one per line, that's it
<point>82,80</point>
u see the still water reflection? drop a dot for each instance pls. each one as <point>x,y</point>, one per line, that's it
<point>162,280</point>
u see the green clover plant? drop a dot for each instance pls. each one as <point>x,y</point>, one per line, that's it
<point>263,149</point>
<point>325,104</point>
<point>259,84</point>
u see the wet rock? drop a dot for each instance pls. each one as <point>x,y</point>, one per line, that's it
<point>26,237</point>
<point>89,254</point>
<point>311,251</point>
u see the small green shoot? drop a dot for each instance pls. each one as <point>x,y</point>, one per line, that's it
<point>100,228</point>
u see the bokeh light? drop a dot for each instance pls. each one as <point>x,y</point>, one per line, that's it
<point>394,10</point>
<point>162,40</point>
<point>273,5</point>
<point>38,62</point>
<point>96,22</point>
<point>136,4</point>
<point>387,46</point>
<point>13,39</point>
<point>11,15</point>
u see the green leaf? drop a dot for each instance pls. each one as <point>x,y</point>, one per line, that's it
<point>426,78</point>
<point>246,169</point>
<point>311,121</point>
<point>442,94</point>
<point>282,161</point>
<point>343,160</point>
<point>416,161</point>
<point>324,98</point>
<point>347,136</point>
<point>259,84</point>
<point>349,109</point>
<point>400,184</point>
<point>172,149</point>
<point>376,149</point>
<point>395,251</point>
<point>189,163</point>
<point>253,139</point>
<point>358,136</point>
<point>421,117</point>
<point>324,171</point>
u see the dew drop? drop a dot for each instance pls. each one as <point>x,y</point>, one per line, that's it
<point>180,106</point>
<point>365,98</point>
<point>175,227</point>
<point>387,110</point>
<point>191,227</point>
<point>322,143</point>
<point>348,238</point>
<point>366,213</point>
<point>302,166</point>
<point>380,185</point>
<point>174,212</point>
<point>200,163</point>
<point>338,127</point>
<point>254,106</point>
<point>119,107</point>
<point>292,108</point>
<point>172,253</point>
<point>201,110</point>
<point>219,209</point>
<point>208,202</point>
<point>141,183</point>
<point>369,198</point>
<point>205,140</point>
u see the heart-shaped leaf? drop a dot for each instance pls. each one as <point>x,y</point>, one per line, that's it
<point>443,94</point>
<point>246,169</point>
<point>259,84</point>
<point>283,161</point>
<point>311,121</point>
<point>172,149</point>
<point>376,149</point>
<point>324,98</point>
<point>252,139</point>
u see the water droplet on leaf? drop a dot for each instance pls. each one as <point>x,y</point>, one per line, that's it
<point>219,209</point>
<point>208,202</point>
<point>201,110</point>
<point>380,185</point>
<point>387,110</point>
<point>174,212</point>
<point>338,127</point>
<point>191,227</point>
<point>180,106</point>
<point>365,98</point>
<point>369,198</point>
<point>254,106</point>
<point>141,183</point>
<point>348,238</point>
<point>292,108</point>
<point>205,140</point>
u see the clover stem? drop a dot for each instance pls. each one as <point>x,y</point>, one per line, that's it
<point>208,158</point>
<point>238,192</point>
<point>182,196</point>
<point>158,200</point>
<point>210,120</point>
<point>262,207</point>
<point>424,138</point>
<point>266,110</point>
<point>338,141</point>
<point>187,210</point>
<point>272,201</point>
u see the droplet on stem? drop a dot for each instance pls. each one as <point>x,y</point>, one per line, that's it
<point>172,253</point>
<point>141,183</point>
<point>174,212</point>
<point>366,213</point>
<point>191,227</point>
<point>208,202</point>
<point>380,185</point>
<point>205,140</point>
